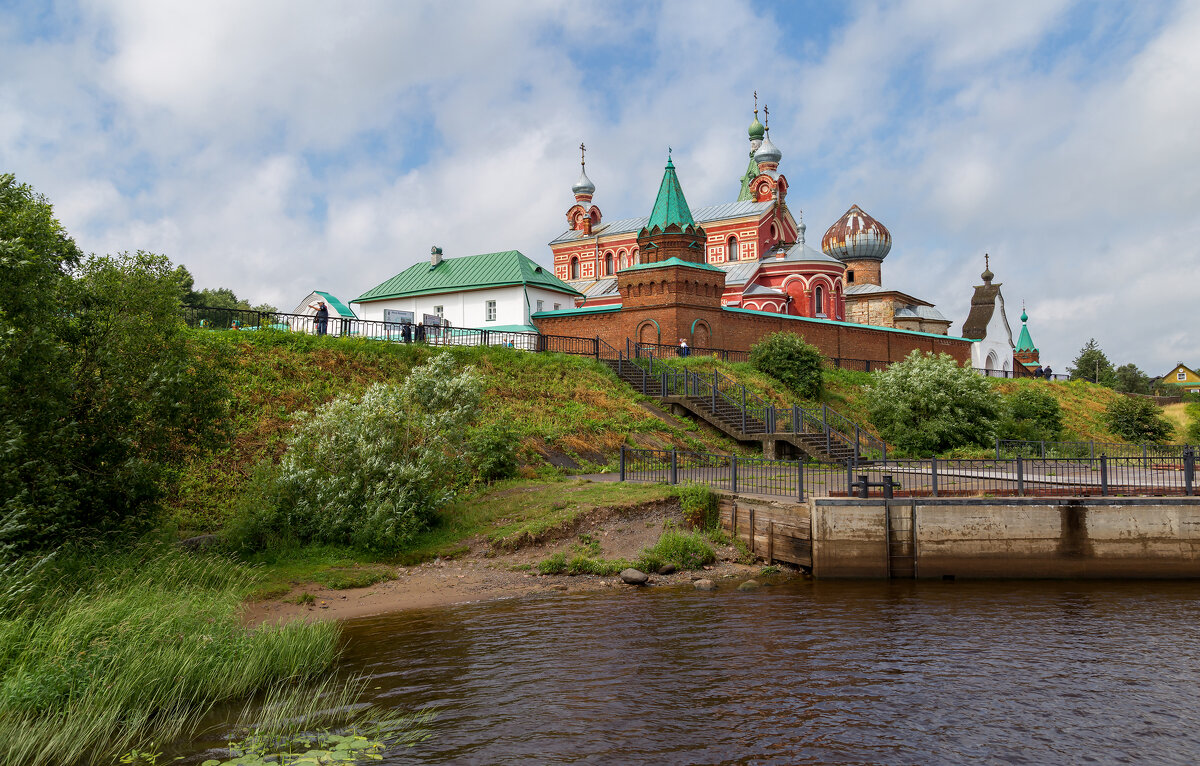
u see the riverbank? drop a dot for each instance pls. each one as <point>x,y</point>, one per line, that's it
<point>485,572</point>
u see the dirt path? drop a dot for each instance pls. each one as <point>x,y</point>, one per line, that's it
<point>484,574</point>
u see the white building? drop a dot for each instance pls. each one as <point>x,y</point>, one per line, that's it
<point>987,326</point>
<point>490,291</point>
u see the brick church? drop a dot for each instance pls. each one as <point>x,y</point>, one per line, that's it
<point>761,248</point>
<point>722,277</point>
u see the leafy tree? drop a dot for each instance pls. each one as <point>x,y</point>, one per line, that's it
<point>371,471</point>
<point>1192,435</point>
<point>1031,414</point>
<point>98,388</point>
<point>793,362</point>
<point>928,404</point>
<point>1138,420</point>
<point>1093,365</point>
<point>1130,379</point>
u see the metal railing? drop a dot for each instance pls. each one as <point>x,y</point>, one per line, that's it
<point>1011,448</point>
<point>749,413</point>
<point>1017,477</point>
<point>245,320</point>
<point>665,351</point>
<point>1016,374</point>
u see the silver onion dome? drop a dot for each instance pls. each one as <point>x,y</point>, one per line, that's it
<point>768,152</point>
<point>584,185</point>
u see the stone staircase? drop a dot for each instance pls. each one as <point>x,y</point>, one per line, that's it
<point>715,400</point>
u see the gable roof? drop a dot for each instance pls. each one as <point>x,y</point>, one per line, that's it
<point>332,300</point>
<point>702,215</point>
<point>471,272</point>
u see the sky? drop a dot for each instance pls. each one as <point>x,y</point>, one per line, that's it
<point>277,147</point>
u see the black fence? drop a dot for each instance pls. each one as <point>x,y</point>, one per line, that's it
<point>243,320</point>
<point>1089,450</point>
<point>1018,477</point>
<point>666,351</point>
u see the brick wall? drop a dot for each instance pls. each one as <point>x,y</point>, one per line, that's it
<point>737,331</point>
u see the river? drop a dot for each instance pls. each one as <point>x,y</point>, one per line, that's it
<point>802,672</point>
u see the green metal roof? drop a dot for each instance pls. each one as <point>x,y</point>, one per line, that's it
<point>471,272</point>
<point>670,207</point>
<point>332,300</point>
<point>673,262</point>
<point>575,312</point>
<point>841,324</point>
<point>751,173</point>
<point>1024,342</point>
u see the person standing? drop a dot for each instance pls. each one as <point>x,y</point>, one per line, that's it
<point>406,332</point>
<point>322,317</point>
<point>683,348</point>
<point>420,332</point>
<point>1048,373</point>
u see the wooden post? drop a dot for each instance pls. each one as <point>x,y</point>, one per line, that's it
<point>771,542</point>
<point>733,519</point>
<point>751,530</point>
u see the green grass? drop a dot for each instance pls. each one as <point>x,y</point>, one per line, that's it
<point>685,550</point>
<point>106,653</point>
<point>557,406</point>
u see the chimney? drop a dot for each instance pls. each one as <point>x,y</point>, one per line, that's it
<point>435,256</point>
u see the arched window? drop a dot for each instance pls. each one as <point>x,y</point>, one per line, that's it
<point>633,257</point>
<point>732,251</point>
<point>820,300</point>
<point>574,268</point>
<point>608,264</point>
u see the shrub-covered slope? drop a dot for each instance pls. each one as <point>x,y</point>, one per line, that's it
<point>564,411</point>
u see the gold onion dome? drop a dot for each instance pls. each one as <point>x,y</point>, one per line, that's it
<point>857,236</point>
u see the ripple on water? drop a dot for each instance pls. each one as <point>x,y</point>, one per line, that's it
<point>818,673</point>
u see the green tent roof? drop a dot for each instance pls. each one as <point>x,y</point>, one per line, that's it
<point>670,207</point>
<point>1024,342</point>
<point>342,309</point>
<point>751,173</point>
<point>471,272</point>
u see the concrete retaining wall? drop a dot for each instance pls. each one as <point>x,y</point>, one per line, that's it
<point>1019,537</point>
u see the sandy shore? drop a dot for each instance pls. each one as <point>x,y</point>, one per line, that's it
<point>484,574</point>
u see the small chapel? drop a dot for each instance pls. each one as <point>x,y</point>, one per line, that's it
<point>759,245</point>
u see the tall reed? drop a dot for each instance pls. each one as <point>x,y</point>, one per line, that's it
<point>105,652</point>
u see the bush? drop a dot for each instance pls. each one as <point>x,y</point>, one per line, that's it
<point>1031,414</point>
<point>1138,420</point>
<point>1192,434</point>
<point>368,472</point>
<point>493,452</point>
<point>789,359</point>
<point>686,550</point>
<point>928,404</point>
<point>699,505</point>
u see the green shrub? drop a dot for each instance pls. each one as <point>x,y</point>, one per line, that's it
<point>555,563</point>
<point>928,404</point>
<point>368,472</point>
<point>796,364</point>
<point>493,451</point>
<point>1192,434</point>
<point>700,505</point>
<point>1138,420</point>
<point>1031,414</point>
<point>686,550</point>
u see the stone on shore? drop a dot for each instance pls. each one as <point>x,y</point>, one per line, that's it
<point>749,585</point>
<point>704,585</point>
<point>666,569</point>
<point>634,577</point>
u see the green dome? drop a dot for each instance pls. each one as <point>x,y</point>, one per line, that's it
<point>757,131</point>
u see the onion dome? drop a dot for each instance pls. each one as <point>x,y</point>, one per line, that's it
<point>757,131</point>
<point>768,152</point>
<point>857,236</point>
<point>584,185</point>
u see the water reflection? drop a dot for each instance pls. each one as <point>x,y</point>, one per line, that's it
<point>802,673</point>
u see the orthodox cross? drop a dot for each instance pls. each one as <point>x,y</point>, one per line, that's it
<point>756,103</point>
<point>767,116</point>
<point>582,153</point>
<point>986,267</point>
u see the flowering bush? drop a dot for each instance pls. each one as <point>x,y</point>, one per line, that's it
<point>372,471</point>
<point>792,361</point>
<point>928,404</point>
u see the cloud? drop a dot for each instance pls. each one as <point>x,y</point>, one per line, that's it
<point>274,147</point>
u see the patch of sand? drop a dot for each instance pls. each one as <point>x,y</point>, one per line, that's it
<point>485,574</point>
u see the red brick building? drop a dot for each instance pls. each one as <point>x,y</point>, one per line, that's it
<point>666,288</point>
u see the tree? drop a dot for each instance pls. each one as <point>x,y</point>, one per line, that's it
<point>1093,365</point>
<point>1031,414</point>
<point>1131,380</point>
<point>928,404</point>
<point>99,390</point>
<point>793,362</point>
<point>1138,420</point>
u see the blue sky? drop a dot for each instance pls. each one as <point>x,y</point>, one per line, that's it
<point>278,147</point>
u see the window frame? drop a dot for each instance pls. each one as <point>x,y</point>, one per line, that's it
<point>489,309</point>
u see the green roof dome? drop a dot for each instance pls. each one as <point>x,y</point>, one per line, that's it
<point>757,131</point>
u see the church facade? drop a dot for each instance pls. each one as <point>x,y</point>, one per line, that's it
<point>759,245</point>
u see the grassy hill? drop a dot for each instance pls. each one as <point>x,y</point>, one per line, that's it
<point>567,412</point>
